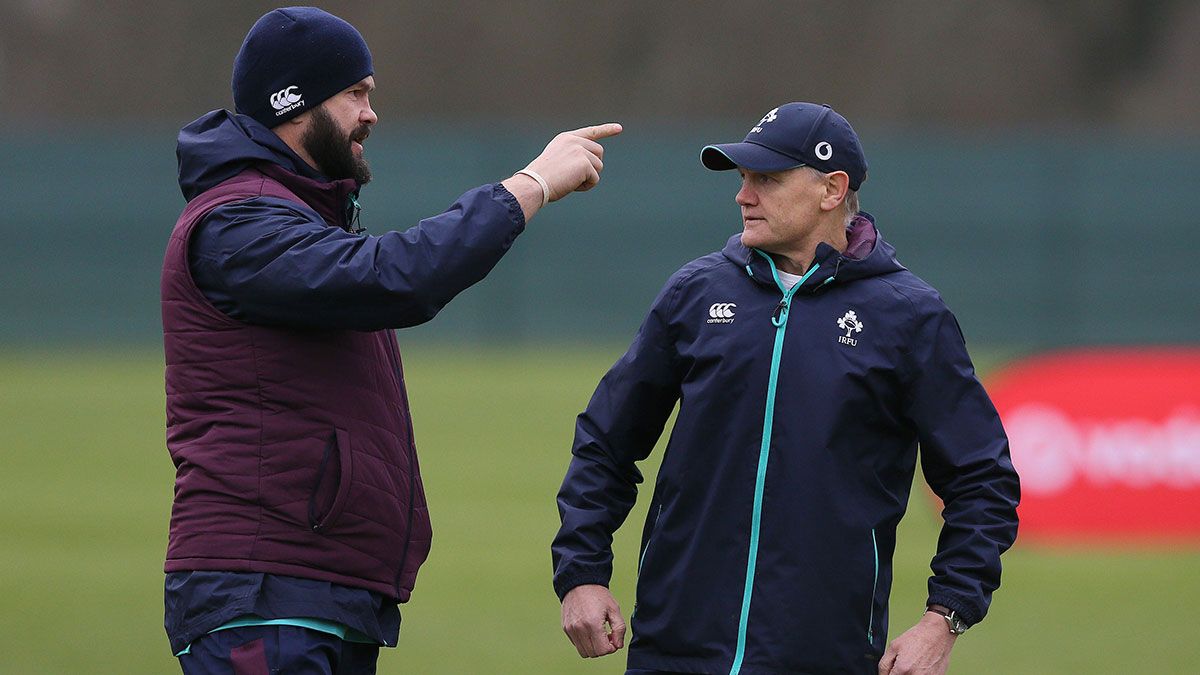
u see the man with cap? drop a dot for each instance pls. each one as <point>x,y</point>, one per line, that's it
<point>299,519</point>
<point>807,365</point>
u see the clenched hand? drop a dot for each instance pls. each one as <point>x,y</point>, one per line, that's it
<point>588,614</point>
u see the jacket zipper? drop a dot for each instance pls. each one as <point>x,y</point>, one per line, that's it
<point>315,523</point>
<point>874,588</point>
<point>649,540</point>
<point>779,319</point>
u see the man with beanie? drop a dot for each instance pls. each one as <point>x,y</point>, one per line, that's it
<point>808,365</point>
<point>299,519</point>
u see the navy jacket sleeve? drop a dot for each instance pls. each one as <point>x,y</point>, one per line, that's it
<point>274,262</point>
<point>623,421</point>
<point>965,459</point>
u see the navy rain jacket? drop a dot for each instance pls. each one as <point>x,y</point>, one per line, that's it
<point>768,543</point>
<point>268,261</point>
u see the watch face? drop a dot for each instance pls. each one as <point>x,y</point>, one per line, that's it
<point>957,625</point>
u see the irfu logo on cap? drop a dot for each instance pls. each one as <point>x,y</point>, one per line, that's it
<point>769,117</point>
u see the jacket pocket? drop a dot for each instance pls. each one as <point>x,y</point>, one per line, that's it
<point>337,469</point>
<point>874,588</point>
<point>648,536</point>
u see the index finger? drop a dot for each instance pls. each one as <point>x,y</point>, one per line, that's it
<point>599,131</point>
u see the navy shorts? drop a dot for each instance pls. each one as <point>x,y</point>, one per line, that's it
<point>265,650</point>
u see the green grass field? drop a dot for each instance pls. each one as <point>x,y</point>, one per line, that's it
<point>85,494</point>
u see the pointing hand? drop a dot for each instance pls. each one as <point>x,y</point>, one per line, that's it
<point>573,160</point>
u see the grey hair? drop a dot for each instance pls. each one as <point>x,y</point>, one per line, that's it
<point>849,204</point>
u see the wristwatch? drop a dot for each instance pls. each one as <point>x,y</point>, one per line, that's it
<point>957,625</point>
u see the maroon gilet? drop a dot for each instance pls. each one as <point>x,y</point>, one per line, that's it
<point>293,447</point>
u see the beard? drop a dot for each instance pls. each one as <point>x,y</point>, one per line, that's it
<point>329,146</point>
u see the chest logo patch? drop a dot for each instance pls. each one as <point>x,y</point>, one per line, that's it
<point>851,324</point>
<point>721,312</point>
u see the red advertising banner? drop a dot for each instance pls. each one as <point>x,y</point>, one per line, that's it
<point>1107,443</point>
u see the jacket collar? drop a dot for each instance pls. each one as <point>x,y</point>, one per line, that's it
<point>221,145</point>
<point>866,255</point>
<point>331,200</point>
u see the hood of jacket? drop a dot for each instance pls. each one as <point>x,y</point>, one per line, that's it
<point>866,255</point>
<point>221,145</point>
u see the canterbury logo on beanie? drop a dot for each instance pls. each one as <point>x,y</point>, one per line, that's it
<point>292,60</point>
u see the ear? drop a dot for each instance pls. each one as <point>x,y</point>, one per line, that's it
<point>837,184</point>
<point>292,131</point>
<point>301,119</point>
<point>294,126</point>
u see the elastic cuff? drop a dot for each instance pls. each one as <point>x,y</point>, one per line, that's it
<point>566,584</point>
<point>514,206</point>
<point>964,609</point>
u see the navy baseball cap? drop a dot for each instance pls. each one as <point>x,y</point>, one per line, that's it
<point>792,135</point>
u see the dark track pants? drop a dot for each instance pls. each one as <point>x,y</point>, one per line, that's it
<point>267,650</point>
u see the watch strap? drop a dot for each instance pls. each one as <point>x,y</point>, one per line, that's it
<point>956,625</point>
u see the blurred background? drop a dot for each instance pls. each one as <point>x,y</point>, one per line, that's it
<point>1034,160</point>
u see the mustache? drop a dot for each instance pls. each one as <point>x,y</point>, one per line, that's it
<point>360,133</point>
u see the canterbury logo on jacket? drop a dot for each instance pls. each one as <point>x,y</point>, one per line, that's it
<point>769,538</point>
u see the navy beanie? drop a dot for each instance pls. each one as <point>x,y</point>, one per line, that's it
<point>292,60</point>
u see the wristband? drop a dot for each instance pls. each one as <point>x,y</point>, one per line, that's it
<point>540,181</point>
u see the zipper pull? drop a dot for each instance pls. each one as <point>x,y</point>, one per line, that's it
<point>353,224</point>
<point>779,313</point>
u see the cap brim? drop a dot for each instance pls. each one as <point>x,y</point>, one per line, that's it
<point>750,156</point>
